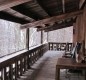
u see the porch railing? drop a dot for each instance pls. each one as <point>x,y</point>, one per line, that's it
<point>60,46</point>
<point>13,68</point>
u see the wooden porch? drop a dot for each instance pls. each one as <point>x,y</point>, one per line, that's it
<point>39,64</point>
<point>27,57</point>
<point>45,67</point>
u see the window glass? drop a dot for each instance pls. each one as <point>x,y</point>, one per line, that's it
<point>34,37</point>
<point>44,37</point>
<point>12,38</point>
<point>61,35</point>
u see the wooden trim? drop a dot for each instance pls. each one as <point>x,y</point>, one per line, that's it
<point>4,4</point>
<point>52,19</point>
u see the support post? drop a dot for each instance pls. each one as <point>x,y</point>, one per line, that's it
<point>27,38</point>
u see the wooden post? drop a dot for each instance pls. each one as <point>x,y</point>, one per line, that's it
<point>16,70</point>
<point>41,37</point>
<point>47,36</point>
<point>57,76</point>
<point>27,38</point>
<point>10,73</point>
<point>74,33</point>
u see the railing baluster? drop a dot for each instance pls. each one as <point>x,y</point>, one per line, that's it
<point>16,70</point>
<point>25,68</point>
<point>1,74</point>
<point>19,73</point>
<point>5,75</point>
<point>21,67</point>
<point>49,45</point>
<point>11,73</point>
<point>28,61</point>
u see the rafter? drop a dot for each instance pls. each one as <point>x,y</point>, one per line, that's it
<point>43,7</point>
<point>52,19</point>
<point>46,27</point>
<point>31,9</point>
<point>60,26</point>
<point>7,16</point>
<point>17,14</point>
<point>4,4</point>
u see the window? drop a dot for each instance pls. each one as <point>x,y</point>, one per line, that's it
<point>34,37</point>
<point>61,35</point>
<point>44,37</point>
<point>12,38</point>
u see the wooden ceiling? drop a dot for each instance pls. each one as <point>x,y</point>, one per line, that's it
<point>45,15</point>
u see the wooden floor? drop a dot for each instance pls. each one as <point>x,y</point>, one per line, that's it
<point>44,69</point>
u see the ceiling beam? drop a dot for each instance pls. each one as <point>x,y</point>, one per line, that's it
<point>37,2</point>
<point>4,4</point>
<point>46,27</point>
<point>81,3</point>
<point>26,11</point>
<point>32,9</point>
<point>59,26</point>
<point>17,14</point>
<point>43,7</point>
<point>52,19</point>
<point>7,16</point>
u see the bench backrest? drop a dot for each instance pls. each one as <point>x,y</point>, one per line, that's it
<point>76,49</point>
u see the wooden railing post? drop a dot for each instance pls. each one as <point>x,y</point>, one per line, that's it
<point>5,75</point>
<point>10,73</point>
<point>16,70</point>
<point>27,38</point>
<point>1,74</point>
<point>49,45</point>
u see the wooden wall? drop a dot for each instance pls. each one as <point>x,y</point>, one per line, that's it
<point>80,30</point>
